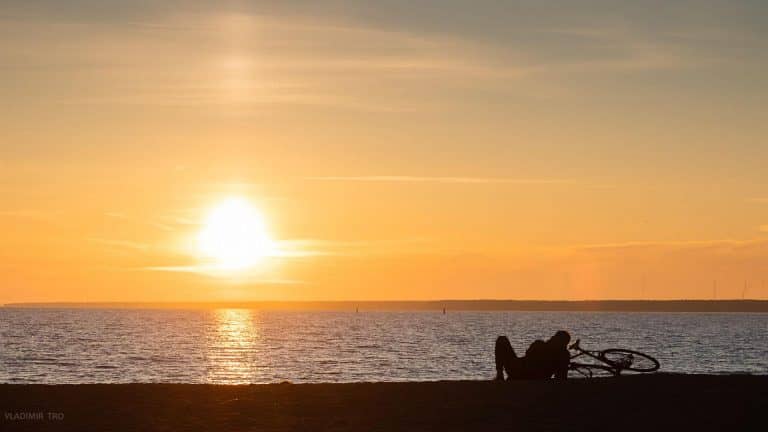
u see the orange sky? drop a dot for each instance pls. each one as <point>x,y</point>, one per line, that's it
<point>396,151</point>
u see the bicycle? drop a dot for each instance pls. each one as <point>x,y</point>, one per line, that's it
<point>613,361</point>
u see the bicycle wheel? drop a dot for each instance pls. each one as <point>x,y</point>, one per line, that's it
<point>590,370</point>
<point>624,359</point>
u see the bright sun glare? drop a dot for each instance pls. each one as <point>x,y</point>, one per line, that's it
<point>235,236</point>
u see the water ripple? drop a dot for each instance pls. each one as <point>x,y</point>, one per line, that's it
<point>243,346</point>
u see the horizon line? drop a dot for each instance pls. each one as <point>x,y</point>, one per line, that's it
<point>478,305</point>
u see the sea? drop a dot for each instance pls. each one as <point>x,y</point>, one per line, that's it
<point>240,346</point>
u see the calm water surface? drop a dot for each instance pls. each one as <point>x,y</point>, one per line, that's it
<point>248,346</point>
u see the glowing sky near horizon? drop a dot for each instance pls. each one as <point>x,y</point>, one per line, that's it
<point>399,150</point>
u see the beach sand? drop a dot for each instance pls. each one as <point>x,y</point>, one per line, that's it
<point>656,402</point>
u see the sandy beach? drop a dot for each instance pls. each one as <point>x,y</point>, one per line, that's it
<point>657,402</point>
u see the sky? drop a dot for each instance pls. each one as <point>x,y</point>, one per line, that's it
<point>394,149</point>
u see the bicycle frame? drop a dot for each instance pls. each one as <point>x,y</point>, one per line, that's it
<point>589,367</point>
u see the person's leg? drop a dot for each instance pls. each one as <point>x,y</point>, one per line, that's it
<point>505,357</point>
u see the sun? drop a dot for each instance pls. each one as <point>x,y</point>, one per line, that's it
<point>235,236</point>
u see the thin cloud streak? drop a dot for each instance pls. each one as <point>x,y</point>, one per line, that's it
<point>681,244</point>
<point>155,224</point>
<point>215,271</point>
<point>124,244</point>
<point>459,180</point>
<point>301,248</point>
<point>27,214</point>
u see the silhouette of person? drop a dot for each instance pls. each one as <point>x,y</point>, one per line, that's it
<point>542,360</point>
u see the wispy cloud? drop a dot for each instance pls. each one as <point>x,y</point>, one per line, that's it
<point>298,64</point>
<point>672,244</point>
<point>464,180</point>
<point>216,271</point>
<point>30,214</point>
<point>254,73</point>
<point>122,244</point>
<point>50,218</point>
<point>161,224</point>
<point>299,248</point>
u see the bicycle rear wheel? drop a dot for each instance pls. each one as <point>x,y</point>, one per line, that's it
<point>629,360</point>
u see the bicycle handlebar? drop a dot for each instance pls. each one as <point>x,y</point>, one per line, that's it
<point>575,345</point>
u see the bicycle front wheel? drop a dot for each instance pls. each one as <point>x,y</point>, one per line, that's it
<point>624,359</point>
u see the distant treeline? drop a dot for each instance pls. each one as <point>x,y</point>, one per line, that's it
<point>448,305</point>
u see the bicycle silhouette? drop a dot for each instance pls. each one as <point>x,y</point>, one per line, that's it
<point>613,361</point>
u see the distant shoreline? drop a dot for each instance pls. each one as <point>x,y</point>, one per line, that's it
<point>438,305</point>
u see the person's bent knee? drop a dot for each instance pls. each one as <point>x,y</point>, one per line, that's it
<point>502,344</point>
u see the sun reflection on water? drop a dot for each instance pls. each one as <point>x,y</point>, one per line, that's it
<point>232,347</point>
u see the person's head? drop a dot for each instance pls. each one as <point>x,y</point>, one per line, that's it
<point>561,338</point>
